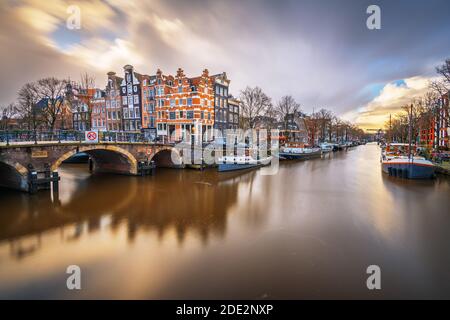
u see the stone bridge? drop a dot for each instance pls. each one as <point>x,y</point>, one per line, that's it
<point>18,161</point>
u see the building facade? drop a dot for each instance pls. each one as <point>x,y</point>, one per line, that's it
<point>98,113</point>
<point>184,106</point>
<point>113,100</point>
<point>221,84</point>
<point>131,100</point>
<point>233,112</point>
<point>165,107</point>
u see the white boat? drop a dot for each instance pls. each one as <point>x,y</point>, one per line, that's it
<point>326,147</point>
<point>294,153</point>
<point>232,163</point>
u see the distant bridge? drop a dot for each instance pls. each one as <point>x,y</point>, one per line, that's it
<point>30,162</point>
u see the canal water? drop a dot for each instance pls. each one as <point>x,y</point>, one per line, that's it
<point>309,231</point>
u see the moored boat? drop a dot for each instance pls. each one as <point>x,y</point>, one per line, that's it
<point>395,162</point>
<point>294,153</point>
<point>326,147</point>
<point>232,163</point>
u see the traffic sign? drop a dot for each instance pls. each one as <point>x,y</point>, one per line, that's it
<point>91,136</point>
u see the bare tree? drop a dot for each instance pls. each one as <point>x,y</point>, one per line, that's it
<point>7,114</point>
<point>27,107</point>
<point>52,92</point>
<point>87,81</point>
<point>285,108</point>
<point>323,119</point>
<point>444,71</point>
<point>254,104</point>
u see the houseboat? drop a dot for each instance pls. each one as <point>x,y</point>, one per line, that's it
<point>398,161</point>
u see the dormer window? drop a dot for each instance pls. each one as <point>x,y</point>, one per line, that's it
<point>193,88</point>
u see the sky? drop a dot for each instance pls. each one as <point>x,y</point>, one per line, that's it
<point>319,51</point>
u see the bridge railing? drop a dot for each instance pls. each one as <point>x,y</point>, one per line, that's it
<point>56,136</point>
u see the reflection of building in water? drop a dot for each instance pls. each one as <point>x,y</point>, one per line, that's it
<point>184,201</point>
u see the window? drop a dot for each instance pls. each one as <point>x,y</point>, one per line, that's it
<point>190,114</point>
<point>179,82</point>
<point>161,102</point>
<point>135,89</point>
<point>152,122</point>
<point>181,114</point>
<point>225,92</point>
<point>172,102</point>
<point>202,115</point>
<point>183,102</point>
<point>130,100</point>
<point>217,90</point>
<point>193,88</point>
<point>113,103</point>
<point>180,89</point>
<point>189,101</point>
<point>136,99</point>
<point>172,115</point>
<point>129,88</point>
<point>137,112</point>
<point>144,82</point>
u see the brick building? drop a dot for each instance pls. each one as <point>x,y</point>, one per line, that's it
<point>113,100</point>
<point>171,107</point>
<point>233,112</point>
<point>184,106</point>
<point>98,113</point>
<point>131,99</point>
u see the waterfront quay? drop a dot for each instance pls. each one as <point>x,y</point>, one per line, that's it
<point>309,231</point>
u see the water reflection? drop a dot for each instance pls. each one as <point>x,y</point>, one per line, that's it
<point>183,200</point>
<point>307,232</point>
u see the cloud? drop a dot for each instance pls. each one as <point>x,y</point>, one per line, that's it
<point>392,97</point>
<point>319,52</point>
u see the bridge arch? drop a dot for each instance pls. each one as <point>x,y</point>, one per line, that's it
<point>168,157</point>
<point>106,158</point>
<point>13,175</point>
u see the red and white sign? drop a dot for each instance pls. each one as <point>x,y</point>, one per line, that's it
<point>91,136</point>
